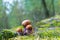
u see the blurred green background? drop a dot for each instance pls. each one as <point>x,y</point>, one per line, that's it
<point>13,12</point>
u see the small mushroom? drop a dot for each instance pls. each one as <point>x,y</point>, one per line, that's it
<point>26,22</point>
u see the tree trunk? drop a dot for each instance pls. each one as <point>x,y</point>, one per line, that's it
<point>53,8</point>
<point>45,8</point>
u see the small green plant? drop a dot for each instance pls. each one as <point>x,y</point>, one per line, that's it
<point>6,34</point>
<point>43,24</point>
<point>49,23</point>
<point>0,36</point>
<point>50,33</point>
<point>58,24</point>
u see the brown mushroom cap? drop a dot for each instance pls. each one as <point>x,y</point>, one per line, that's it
<point>26,22</point>
<point>29,27</point>
<point>19,30</point>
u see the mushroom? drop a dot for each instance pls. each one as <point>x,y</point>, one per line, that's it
<point>26,22</point>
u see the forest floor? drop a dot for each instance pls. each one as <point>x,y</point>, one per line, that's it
<point>43,33</point>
